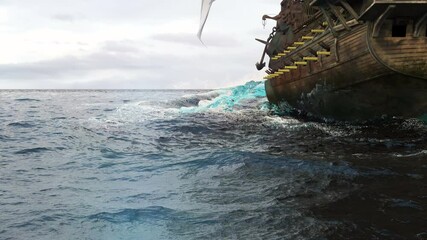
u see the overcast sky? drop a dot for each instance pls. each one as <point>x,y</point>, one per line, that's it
<point>137,44</point>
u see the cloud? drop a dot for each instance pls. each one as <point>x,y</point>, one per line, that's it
<point>191,39</point>
<point>72,66</point>
<point>137,44</point>
<point>64,17</point>
<point>124,46</point>
<point>123,65</point>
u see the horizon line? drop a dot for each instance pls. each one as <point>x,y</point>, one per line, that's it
<point>105,89</point>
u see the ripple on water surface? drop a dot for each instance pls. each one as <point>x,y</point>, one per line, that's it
<point>202,165</point>
<point>27,100</point>
<point>21,125</point>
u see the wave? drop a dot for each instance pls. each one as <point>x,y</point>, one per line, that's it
<point>154,213</point>
<point>423,152</point>
<point>32,150</point>
<point>4,138</point>
<point>27,100</point>
<point>193,100</point>
<point>423,119</point>
<point>252,95</point>
<point>21,125</point>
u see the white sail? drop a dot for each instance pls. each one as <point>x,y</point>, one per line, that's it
<point>206,6</point>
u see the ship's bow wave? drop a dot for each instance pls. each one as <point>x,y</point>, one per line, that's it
<point>248,96</point>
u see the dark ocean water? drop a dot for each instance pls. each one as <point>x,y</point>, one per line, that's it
<point>202,165</point>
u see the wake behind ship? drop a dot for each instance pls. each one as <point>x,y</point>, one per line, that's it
<point>349,60</point>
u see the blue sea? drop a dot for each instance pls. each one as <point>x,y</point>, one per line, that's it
<point>202,164</point>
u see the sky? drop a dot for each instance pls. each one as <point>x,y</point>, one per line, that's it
<point>130,44</point>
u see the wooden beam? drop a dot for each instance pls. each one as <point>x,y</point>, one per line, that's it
<point>288,61</point>
<point>419,24</point>
<point>380,21</point>
<point>337,56</point>
<point>350,23</point>
<point>348,7</point>
<point>339,15</point>
<point>312,52</point>
<point>324,46</point>
<point>329,20</point>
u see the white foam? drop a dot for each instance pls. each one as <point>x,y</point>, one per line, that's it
<point>423,152</point>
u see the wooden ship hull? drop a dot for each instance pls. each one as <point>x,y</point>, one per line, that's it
<point>353,60</point>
